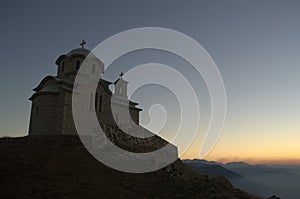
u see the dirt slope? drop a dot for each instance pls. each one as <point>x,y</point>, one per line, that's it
<point>60,167</point>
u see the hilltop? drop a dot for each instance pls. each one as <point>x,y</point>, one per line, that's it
<point>60,167</point>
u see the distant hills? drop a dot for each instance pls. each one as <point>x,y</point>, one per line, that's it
<point>262,180</point>
<point>212,169</point>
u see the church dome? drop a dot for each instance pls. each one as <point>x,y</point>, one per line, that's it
<point>80,51</point>
<point>69,64</point>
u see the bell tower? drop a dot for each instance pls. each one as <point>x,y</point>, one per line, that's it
<point>121,87</point>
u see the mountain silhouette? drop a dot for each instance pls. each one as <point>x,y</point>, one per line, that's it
<point>262,180</point>
<point>212,169</point>
<point>281,180</point>
<point>61,167</point>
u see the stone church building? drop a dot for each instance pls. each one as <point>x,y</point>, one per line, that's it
<point>51,111</point>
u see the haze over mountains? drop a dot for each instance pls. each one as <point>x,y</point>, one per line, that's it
<point>261,180</point>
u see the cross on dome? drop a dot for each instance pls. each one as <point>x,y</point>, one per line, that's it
<point>82,44</point>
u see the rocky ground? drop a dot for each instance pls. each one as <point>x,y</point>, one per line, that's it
<point>60,167</point>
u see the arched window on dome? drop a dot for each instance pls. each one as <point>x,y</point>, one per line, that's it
<point>77,64</point>
<point>91,101</point>
<point>98,102</point>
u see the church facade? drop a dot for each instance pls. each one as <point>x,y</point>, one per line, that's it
<point>51,111</point>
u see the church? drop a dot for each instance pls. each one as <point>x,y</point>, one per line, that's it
<point>118,116</point>
<point>51,111</point>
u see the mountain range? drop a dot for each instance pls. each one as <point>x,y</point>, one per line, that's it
<point>261,180</point>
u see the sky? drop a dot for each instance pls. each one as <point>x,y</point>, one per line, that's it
<point>255,45</point>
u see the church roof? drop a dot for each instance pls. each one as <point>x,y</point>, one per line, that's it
<point>80,51</point>
<point>121,80</point>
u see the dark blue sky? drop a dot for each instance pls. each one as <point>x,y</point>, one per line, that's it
<point>255,44</point>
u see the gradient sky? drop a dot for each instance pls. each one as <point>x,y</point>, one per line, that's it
<point>255,44</point>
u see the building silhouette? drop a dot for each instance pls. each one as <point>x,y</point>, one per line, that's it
<point>51,111</point>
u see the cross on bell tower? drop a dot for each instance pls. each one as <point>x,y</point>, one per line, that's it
<point>82,44</point>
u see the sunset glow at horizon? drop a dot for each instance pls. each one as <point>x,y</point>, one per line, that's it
<point>254,44</point>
